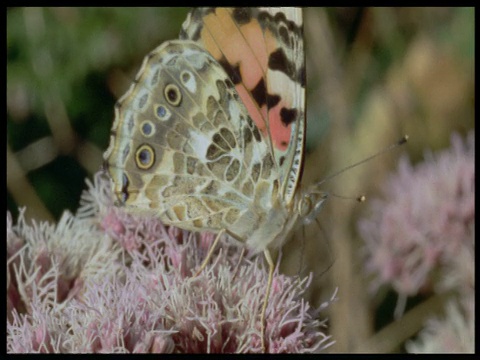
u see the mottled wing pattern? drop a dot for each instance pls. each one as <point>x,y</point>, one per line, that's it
<point>261,49</point>
<point>183,145</point>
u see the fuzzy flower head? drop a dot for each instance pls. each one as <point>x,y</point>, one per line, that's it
<point>108,281</point>
<point>425,219</point>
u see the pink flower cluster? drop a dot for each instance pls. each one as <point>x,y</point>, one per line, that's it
<point>107,281</point>
<point>421,239</point>
<point>425,219</point>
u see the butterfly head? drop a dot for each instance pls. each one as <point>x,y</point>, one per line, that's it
<point>310,203</point>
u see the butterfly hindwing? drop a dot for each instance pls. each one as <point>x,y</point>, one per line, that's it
<point>183,144</point>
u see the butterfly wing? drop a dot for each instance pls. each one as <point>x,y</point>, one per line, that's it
<point>183,146</point>
<point>261,49</point>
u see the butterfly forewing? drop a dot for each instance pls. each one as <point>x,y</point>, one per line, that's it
<point>261,49</point>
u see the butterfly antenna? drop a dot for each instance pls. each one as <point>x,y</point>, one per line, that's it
<point>361,198</point>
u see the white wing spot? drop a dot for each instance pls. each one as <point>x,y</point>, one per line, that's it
<point>188,80</point>
<point>200,143</point>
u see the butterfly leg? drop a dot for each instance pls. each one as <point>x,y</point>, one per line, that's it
<point>210,252</point>
<point>271,268</point>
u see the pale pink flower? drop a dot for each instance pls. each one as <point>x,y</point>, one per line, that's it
<point>107,281</point>
<point>421,237</point>
<point>425,218</point>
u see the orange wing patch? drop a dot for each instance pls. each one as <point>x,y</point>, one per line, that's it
<point>261,49</point>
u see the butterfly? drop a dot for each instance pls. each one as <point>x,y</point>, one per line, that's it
<point>211,134</point>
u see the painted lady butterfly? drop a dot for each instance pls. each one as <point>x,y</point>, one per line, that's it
<point>210,136</point>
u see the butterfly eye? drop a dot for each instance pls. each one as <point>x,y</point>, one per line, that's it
<point>173,95</point>
<point>305,206</point>
<point>145,157</point>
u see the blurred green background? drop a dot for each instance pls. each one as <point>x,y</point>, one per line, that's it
<point>373,74</point>
<point>65,69</point>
